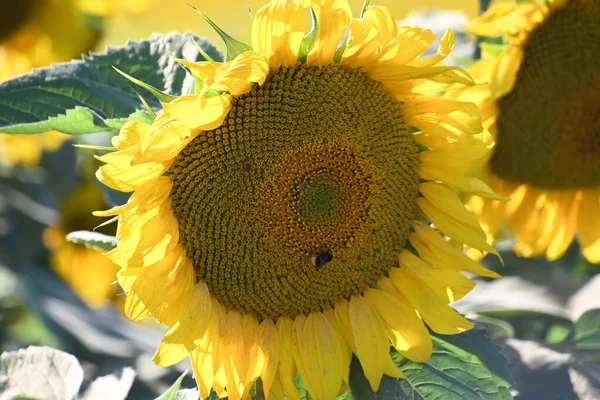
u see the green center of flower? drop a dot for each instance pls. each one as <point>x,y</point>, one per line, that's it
<point>549,124</point>
<point>304,196</point>
<point>318,198</point>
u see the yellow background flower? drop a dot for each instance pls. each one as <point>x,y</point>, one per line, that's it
<point>91,275</point>
<point>539,95</point>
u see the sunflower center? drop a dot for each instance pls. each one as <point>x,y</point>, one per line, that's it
<point>549,124</point>
<point>304,196</point>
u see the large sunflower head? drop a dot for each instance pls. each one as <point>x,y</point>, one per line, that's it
<point>273,210</point>
<point>540,98</point>
<point>91,275</point>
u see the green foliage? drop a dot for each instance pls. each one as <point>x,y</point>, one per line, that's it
<point>587,333</point>
<point>88,95</point>
<point>234,46</point>
<point>172,392</point>
<point>93,240</point>
<point>463,366</point>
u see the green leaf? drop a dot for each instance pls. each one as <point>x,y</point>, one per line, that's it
<point>234,46</point>
<point>465,366</point>
<point>587,331</point>
<point>39,372</point>
<point>309,38</point>
<point>74,122</point>
<point>364,8</point>
<point>139,116</point>
<point>93,240</point>
<point>172,392</point>
<point>163,97</point>
<point>84,96</point>
<point>494,49</point>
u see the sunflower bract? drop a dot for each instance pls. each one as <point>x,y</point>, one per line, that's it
<point>272,210</point>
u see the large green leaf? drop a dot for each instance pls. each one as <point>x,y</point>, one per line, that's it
<point>88,95</point>
<point>465,366</point>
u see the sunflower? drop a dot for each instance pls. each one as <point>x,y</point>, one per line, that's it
<point>91,275</point>
<point>280,216</point>
<point>28,149</point>
<point>36,33</point>
<point>540,99</point>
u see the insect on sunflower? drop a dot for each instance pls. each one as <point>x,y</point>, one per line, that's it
<point>273,210</point>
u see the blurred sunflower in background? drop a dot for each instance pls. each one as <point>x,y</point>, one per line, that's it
<point>91,275</point>
<point>272,210</point>
<point>540,99</point>
<point>36,33</point>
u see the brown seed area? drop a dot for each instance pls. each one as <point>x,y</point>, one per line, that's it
<point>304,196</point>
<point>549,124</point>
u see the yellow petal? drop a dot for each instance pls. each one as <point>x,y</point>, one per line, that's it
<point>287,367</point>
<point>164,143</point>
<point>185,335</point>
<point>396,78</point>
<point>202,364</point>
<point>330,314</point>
<point>505,73</point>
<point>119,174</point>
<point>160,288</point>
<point>405,329</point>
<point>130,134</point>
<point>143,239</point>
<point>411,42</point>
<point>342,314</point>
<point>371,37</point>
<point>445,47</point>
<point>276,391</point>
<point>446,283</point>
<point>508,18</point>
<point>199,112</point>
<point>442,206</point>
<point>241,74</point>
<point>318,355</point>
<point>254,352</point>
<point>588,226</point>
<point>463,116</point>
<point>566,203</point>
<point>205,70</point>
<point>235,359</point>
<point>278,30</point>
<point>371,341</point>
<point>269,342</point>
<point>334,17</point>
<point>434,249</point>
<point>435,311</point>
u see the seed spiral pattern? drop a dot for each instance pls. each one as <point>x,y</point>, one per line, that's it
<point>549,124</point>
<point>304,196</point>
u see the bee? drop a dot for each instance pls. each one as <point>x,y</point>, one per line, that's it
<point>322,257</point>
